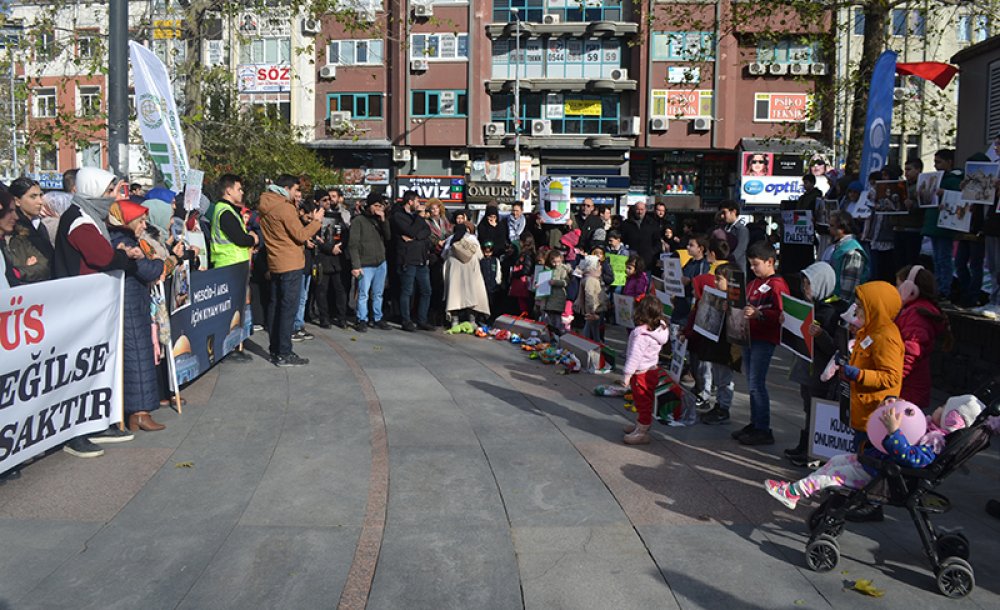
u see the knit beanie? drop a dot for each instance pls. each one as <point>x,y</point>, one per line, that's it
<point>967,406</point>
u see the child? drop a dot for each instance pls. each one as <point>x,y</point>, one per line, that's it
<point>697,265</point>
<point>724,359</point>
<point>636,280</point>
<point>615,245</point>
<point>818,282</point>
<point>607,273</point>
<point>554,305</point>
<point>762,311</point>
<point>592,299</point>
<point>847,471</point>
<point>522,269</point>
<point>642,357</point>
<point>492,276</point>
<point>718,254</point>
<point>920,322</point>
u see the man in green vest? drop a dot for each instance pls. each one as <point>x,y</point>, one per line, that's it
<point>231,243</point>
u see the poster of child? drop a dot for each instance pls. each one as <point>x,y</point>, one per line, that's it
<point>890,196</point>
<point>180,287</point>
<point>928,184</point>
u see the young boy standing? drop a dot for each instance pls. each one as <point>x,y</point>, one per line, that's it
<point>763,313</point>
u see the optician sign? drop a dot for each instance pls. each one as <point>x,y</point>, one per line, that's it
<point>264,78</point>
<point>769,178</point>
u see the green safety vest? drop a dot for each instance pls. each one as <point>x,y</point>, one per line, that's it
<point>225,252</point>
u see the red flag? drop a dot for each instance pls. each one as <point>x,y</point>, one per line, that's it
<point>935,71</point>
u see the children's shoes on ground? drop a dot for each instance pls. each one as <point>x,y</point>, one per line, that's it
<point>782,492</point>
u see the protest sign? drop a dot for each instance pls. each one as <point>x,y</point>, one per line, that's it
<point>737,326</point>
<point>710,318</point>
<point>679,351</point>
<point>736,283</point>
<point>829,434</point>
<point>192,190</point>
<point>798,227</point>
<point>890,197</point>
<point>928,184</point>
<point>543,283</point>
<point>672,275</point>
<point>798,317</point>
<point>624,310</point>
<point>663,297</point>
<point>180,287</point>
<point>955,213</point>
<point>980,182</point>
<point>61,371</point>
<point>214,323</point>
<point>617,262</point>
<point>554,194</point>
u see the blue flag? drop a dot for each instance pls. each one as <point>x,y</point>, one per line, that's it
<point>878,125</point>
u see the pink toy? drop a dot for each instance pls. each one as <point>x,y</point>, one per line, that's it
<point>913,426</point>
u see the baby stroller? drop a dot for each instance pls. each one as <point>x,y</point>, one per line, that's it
<point>912,489</point>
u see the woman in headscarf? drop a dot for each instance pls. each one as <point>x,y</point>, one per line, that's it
<point>29,245</point>
<point>127,221</point>
<point>463,277</point>
<point>9,276</point>
<point>54,203</point>
<point>441,229</point>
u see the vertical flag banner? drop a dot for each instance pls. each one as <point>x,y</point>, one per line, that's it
<point>795,327</point>
<point>875,152</point>
<point>158,117</point>
<point>555,194</point>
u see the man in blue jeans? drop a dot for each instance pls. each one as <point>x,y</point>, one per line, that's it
<point>413,247</point>
<point>366,245</point>
<point>284,238</point>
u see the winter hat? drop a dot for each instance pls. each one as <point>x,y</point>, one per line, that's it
<point>589,264</point>
<point>124,211</point>
<point>856,186</point>
<point>822,278</point>
<point>960,411</point>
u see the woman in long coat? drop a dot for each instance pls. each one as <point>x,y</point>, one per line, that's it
<point>463,277</point>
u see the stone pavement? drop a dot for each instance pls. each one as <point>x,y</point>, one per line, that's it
<point>418,470</point>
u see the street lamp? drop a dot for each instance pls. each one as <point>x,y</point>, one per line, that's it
<point>517,97</point>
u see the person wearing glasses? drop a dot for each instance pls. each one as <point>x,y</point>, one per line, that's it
<point>757,165</point>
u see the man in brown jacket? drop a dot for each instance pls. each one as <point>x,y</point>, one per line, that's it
<point>284,237</point>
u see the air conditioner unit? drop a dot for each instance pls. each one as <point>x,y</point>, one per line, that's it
<point>777,69</point>
<point>401,155</point>
<point>551,19</point>
<point>541,127</point>
<point>900,94</point>
<point>340,119</point>
<point>423,10</point>
<point>701,124</point>
<point>757,69</point>
<point>366,16</point>
<point>495,129</point>
<point>310,27</point>
<point>629,126</point>
<point>799,69</point>
<point>458,155</point>
<point>419,65</point>
<point>814,126</point>
<point>659,123</point>
<point>328,72</point>
<point>818,69</point>
<point>619,74</point>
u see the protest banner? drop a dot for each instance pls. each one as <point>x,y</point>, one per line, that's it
<point>795,323</point>
<point>679,351</point>
<point>214,324</point>
<point>617,262</point>
<point>829,435</point>
<point>62,363</point>
<point>672,275</point>
<point>955,213</point>
<point>737,327</point>
<point>736,283</point>
<point>554,194</point>
<point>798,227</point>
<point>979,186</point>
<point>158,118</point>
<point>928,184</point>
<point>710,319</point>
<point>624,309</point>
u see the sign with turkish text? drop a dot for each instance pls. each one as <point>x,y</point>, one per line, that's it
<point>781,107</point>
<point>449,189</point>
<point>829,435</point>
<point>268,78</point>
<point>582,108</point>
<point>689,104</point>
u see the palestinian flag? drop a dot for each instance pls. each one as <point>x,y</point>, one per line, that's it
<point>795,327</point>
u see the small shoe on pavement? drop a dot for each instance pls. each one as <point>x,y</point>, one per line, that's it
<point>744,430</point>
<point>297,336</point>
<point>324,324</point>
<point>292,359</point>
<point>629,428</point>
<point>382,325</point>
<point>409,326</point>
<point>361,326</point>
<point>142,420</point>
<point>639,436</point>
<point>716,417</point>
<point>781,492</point>
<point>757,437</point>
<point>426,326</point>
<point>110,436</point>
<point>81,447</point>
<point>339,323</point>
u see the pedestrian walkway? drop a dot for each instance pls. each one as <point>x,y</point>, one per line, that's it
<point>418,470</point>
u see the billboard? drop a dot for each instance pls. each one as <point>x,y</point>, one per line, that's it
<point>768,178</point>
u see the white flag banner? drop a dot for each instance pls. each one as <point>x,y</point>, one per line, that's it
<point>61,371</point>
<point>158,118</point>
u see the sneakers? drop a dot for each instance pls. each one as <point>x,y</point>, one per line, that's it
<point>324,324</point>
<point>361,326</point>
<point>702,405</point>
<point>409,326</point>
<point>757,437</point>
<point>292,359</point>
<point>716,417</point>
<point>744,430</point>
<point>781,492</point>
<point>82,447</point>
<point>639,436</point>
<point>426,326</point>
<point>302,335</point>
<point>382,325</point>
<point>110,436</point>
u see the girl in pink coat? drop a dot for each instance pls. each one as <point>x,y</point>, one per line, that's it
<point>920,323</point>
<point>641,360</point>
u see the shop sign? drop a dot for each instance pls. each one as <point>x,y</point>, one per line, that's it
<point>48,181</point>
<point>449,189</point>
<point>600,183</point>
<point>484,192</point>
<point>769,178</point>
<point>377,176</point>
<point>781,107</point>
<point>689,104</point>
<point>264,78</point>
<point>582,108</point>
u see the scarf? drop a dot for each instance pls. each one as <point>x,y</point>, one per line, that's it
<point>516,226</point>
<point>97,209</point>
<point>274,188</point>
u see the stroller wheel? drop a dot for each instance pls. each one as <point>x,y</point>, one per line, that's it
<point>822,554</point>
<point>955,579</point>
<point>953,545</point>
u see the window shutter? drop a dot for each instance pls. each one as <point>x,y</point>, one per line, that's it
<point>993,103</point>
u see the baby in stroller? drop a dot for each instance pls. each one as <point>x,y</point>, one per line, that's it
<point>848,471</point>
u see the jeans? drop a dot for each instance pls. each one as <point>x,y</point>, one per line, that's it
<point>969,268</point>
<point>408,274</point>
<point>592,329</point>
<point>757,359</point>
<point>300,314</point>
<point>372,281</point>
<point>722,375</point>
<point>944,269</point>
<point>331,293</point>
<point>993,262</point>
<point>286,289</point>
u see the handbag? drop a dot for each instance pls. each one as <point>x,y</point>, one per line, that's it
<point>464,250</point>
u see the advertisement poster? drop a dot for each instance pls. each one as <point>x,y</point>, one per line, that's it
<point>212,325</point>
<point>955,213</point>
<point>554,193</point>
<point>60,375</point>
<point>768,178</point>
<point>980,182</point>
<point>797,227</point>
<point>781,107</point>
<point>263,78</point>
<point>928,184</point>
<point>710,319</point>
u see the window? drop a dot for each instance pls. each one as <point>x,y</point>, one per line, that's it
<point>274,109</point>
<point>439,104</point>
<point>788,52</point>
<point>557,58</point>
<point>912,148</point>
<point>45,103</point>
<point>89,101</point>
<point>45,45</point>
<point>567,10</point>
<point>973,28</point>
<point>683,46</point>
<point>355,52</point>
<point>682,103</point>
<point>360,105</point>
<point>992,103</point>
<point>90,155</point>
<point>87,46</point>
<point>47,158</point>
<point>574,114</point>
<point>439,46</point>
<point>918,26</point>
<point>859,21</point>
<point>266,51</point>
<point>898,22</point>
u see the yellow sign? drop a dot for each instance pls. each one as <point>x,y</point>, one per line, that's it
<point>164,29</point>
<point>583,107</point>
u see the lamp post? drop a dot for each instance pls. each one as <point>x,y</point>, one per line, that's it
<point>517,97</point>
<point>118,88</point>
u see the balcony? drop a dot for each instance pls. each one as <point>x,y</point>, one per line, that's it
<point>591,29</point>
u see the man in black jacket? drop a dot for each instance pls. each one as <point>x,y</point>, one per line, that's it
<point>641,233</point>
<point>413,246</point>
<point>331,287</point>
<point>588,221</point>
